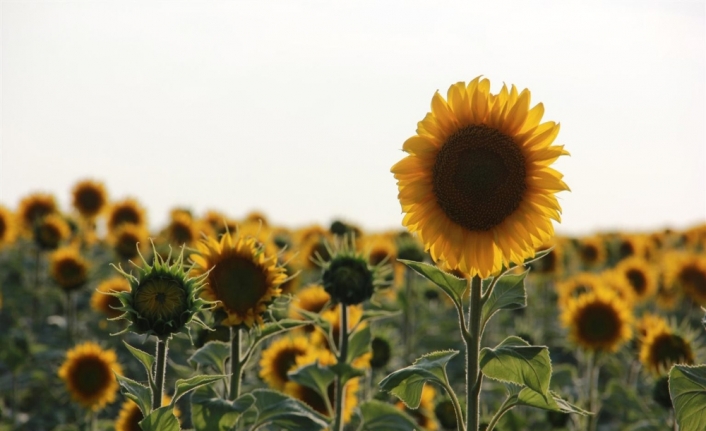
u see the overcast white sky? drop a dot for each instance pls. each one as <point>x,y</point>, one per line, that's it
<point>300,108</point>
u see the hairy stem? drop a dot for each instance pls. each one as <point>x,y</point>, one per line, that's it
<point>236,362</point>
<point>474,377</point>
<point>159,373</point>
<point>342,356</point>
<point>507,405</point>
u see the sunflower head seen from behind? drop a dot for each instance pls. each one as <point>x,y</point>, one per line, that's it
<point>477,186</point>
<point>241,276</point>
<point>88,373</point>
<point>163,299</point>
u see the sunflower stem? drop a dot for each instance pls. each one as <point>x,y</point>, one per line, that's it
<point>407,316</point>
<point>592,383</point>
<point>342,356</point>
<point>35,291</point>
<point>159,373</point>
<point>69,319</point>
<point>507,405</point>
<point>236,363</point>
<point>474,377</point>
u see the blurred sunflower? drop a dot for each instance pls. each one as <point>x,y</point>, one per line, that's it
<point>424,414</point>
<point>628,245</point>
<point>577,285</point>
<point>553,263</point>
<point>34,207</point>
<point>598,320</point>
<point>108,304</point>
<point>648,323</point>
<point>8,228</point>
<point>127,211</point>
<point>88,373</point>
<point>313,299</point>
<point>312,249</point>
<point>128,240</point>
<point>68,268</point>
<point>89,198</point>
<point>592,252</point>
<point>241,276</point>
<point>181,230</point>
<point>476,185</point>
<point>637,275</point>
<point>258,218</point>
<point>130,415</point>
<point>50,231</point>
<point>688,273</point>
<point>280,358</point>
<point>662,347</point>
<point>333,317</point>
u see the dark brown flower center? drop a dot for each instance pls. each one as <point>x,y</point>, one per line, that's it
<point>126,214</point>
<point>669,349</point>
<point>637,280</point>
<point>238,283</point>
<point>285,360</point>
<point>479,177</point>
<point>89,201</point>
<point>599,323</point>
<point>90,376</point>
<point>589,253</point>
<point>693,279</point>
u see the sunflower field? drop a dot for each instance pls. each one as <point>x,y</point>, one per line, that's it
<point>472,315</point>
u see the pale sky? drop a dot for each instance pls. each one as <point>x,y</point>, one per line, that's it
<point>300,108</point>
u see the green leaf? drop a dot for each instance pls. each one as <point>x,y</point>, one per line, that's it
<point>375,311</point>
<point>145,359</point>
<point>528,397</point>
<point>508,294</point>
<point>687,387</point>
<point>273,328</point>
<point>212,354</point>
<point>515,361</point>
<point>183,387</point>
<point>407,383</point>
<point>379,416</point>
<point>359,343</point>
<point>314,376</point>
<point>453,286</point>
<point>210,412</point>
<point>285,412</point>
<point>346,371</point>
<point>139,393</point>
<point>538,255</point>
<point>162,419</point>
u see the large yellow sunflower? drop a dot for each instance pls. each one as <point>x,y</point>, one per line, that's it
<point>476,185</point>
<point>88,374</point>
<point>598,320</point>
<point>243,277</point>
<point>89,198</point>
<point>8,229</point>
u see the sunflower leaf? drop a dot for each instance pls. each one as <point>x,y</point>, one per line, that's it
<point>528,397</point>
<point>184,386</point>
<point>407,383</point>
<point>346,371</point>
<point>273,328</point>
<point>211,412</point>
<point>515,361</point>
<point>213,354</point>
<point>509,294</point>
<point>285,412</point>
<point>145,359</point>
<point>687,387</point>
<point>139,393</point>
<point>374,312</point>
<point>359,344</point>
<point>379,416</point>
<point>162,419</point>
<point>453,286</point>
<point>315,377</point>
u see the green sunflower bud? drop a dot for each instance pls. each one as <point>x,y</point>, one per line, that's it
<point>164,299</point>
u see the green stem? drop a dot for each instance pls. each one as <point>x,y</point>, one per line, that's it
<point>507,405</point>
<point>343,353</point>
<point>460,426</point>
<point>592,383</point>
<point>407,316</point>
<point>159,373</point>
<point>474,377</point>
<point>236,362</point>
<point>69,318</point>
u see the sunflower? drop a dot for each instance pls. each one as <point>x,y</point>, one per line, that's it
<point>598,320</point>
<point>34,207</point>
<point>637,275</point>
<point>181,230</point>
<point>576,286</point>
<point>50,231</point>
<point>628,245</point>
<point>240,275</point>
<point>333,317</point>
<point>108,304</point>
<point>68,268</point>
<point>424,414</point>
<point>592,252</point>
<point>128,240</point>
<point>662,347</point>
<point>130,415</point>
<point>649,323</point>
<point>88,372</point>
<point>312,298</point>
<point>89,198</point>
<point>687,272</point>
<point>127,211</point>
<point>280,358</point>
<point>257,217</point>
<point>312,249</point>
<point>476,185</point>
<point>8,230</point>
<point>553,263</point>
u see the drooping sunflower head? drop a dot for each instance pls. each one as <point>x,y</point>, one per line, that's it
<point>280,358</point>
<point>241,276</point>
<point>88,373</point>
<point>8,228</point>
<point>163,299</point>
<point>476,185</point>
<point>128,240</point>
<point>34,207</point>
<point>89,198</point>
<point>109,304</point>
<point>663,347</point>
<point>68,268</point>
<point>598,321</point>
<point>347,276</point>
<point>592,252</point>
<point>127,211</point>
<point>50,231</point>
